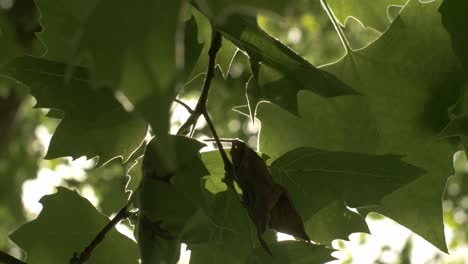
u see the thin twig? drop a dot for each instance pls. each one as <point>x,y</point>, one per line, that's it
<point>201,104</point>
<point>86,254</point>
<point>337,26</point>
<point>7,259</point>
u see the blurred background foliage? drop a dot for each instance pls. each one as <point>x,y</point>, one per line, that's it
<point>25,132</point>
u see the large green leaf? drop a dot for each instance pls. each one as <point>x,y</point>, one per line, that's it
<point>66,225</point>
<point>19,23</point>
<point>138,56</point>
<point>95,124</point>
<point>403,108</point>
<point>359,179</point>
<point>370,13</point>
<point>320,182</point>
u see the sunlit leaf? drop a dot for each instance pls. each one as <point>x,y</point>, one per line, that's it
<point>370,13</point>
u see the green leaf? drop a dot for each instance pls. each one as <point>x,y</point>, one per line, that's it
<point>138,57</point>
<point>283,72</point>
<point>291,252</point>
<point>19,24</point>
<point>92,116</point>
<point>62,23</point>
<point>66,225</point>
<point>402,110</point>
<point>317,179</point>
<point>168,201</point>
<point>230,233</point>
<point>359,179</point>
<point>370,13</point>
<point>214,164</point>
<point>337,215</point>
<point>224,56</point>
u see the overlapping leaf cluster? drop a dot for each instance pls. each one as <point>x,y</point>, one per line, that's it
<point>368,132</point>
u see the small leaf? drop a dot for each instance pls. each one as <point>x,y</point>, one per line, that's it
<point>69,222</point>
<point>91,115</point>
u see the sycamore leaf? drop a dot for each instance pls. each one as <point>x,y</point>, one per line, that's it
<point>138,56</point>
<point>370,13</point>
<point>282,72</point>
<point>319,181</point>
<point>19,24</point>
<point>69,222</point>
<point>402,115</point>
<point>323,176</point>
<point>167,200</point>
<point>92,116</point>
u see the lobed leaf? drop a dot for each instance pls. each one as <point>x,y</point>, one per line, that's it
<point>402,115</point>
<point>94,123</point>
<point>69,222</point>
<point>370,13</point>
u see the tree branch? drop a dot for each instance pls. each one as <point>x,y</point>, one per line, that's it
<point>201,104</point>
<point>7,259</point>
<point>86,254</point>
<point>200,109</point>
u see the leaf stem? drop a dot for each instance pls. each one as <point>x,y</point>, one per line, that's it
<point>7,259</point>
<point>337,26</point>
<point>86,254</point>
<point>186,106</point>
